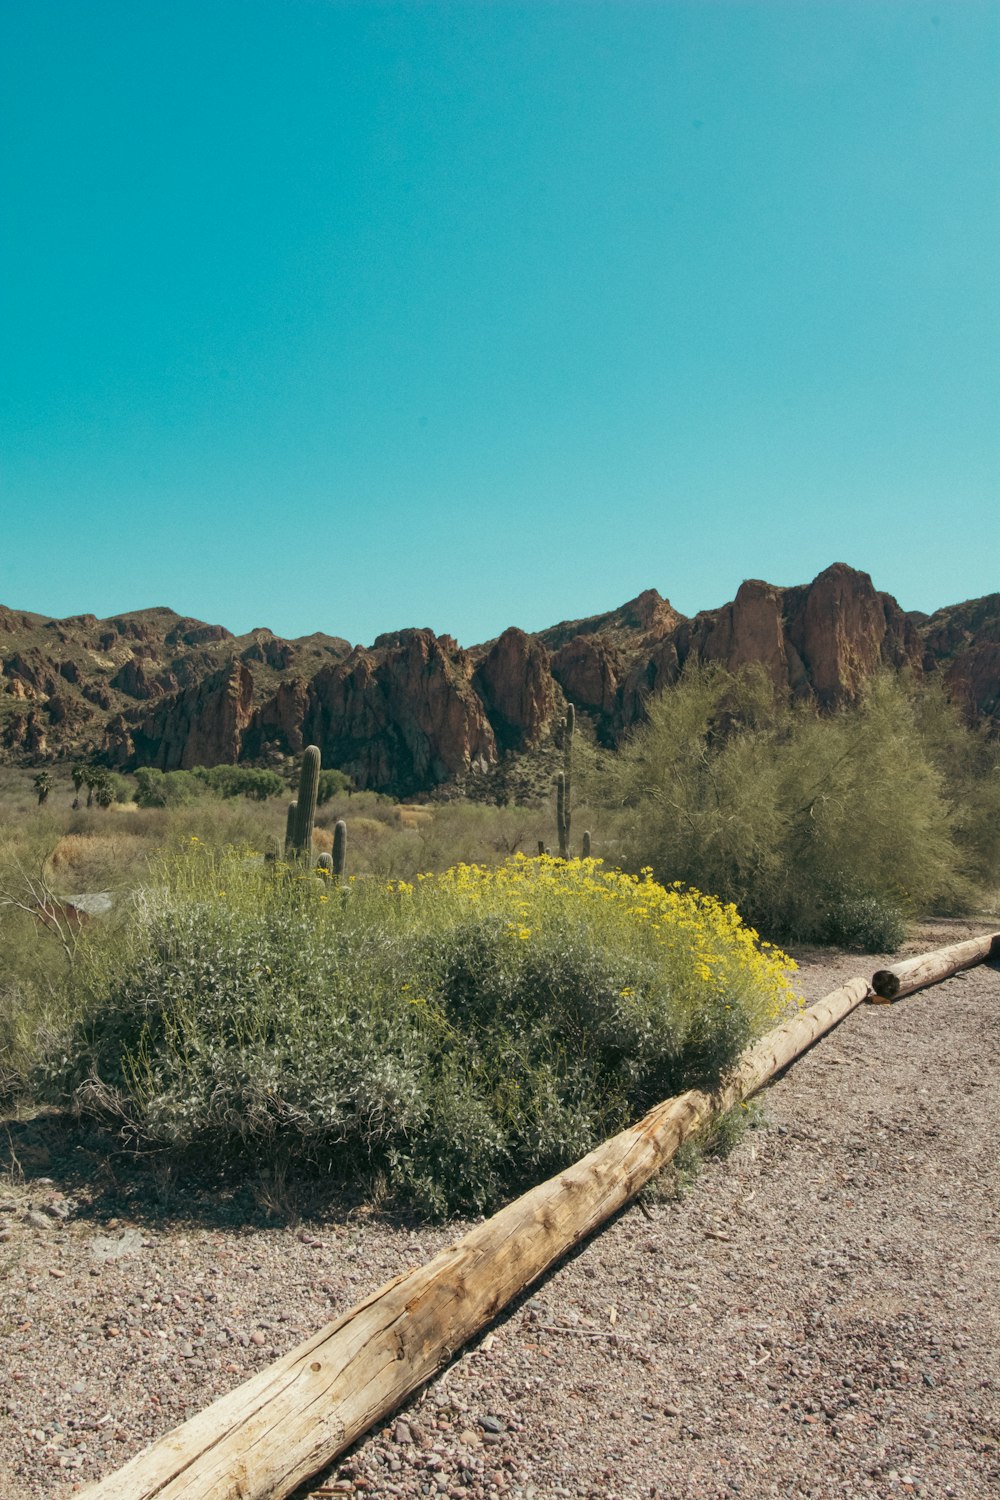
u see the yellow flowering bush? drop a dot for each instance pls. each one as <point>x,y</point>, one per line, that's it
<point>462,1034</point>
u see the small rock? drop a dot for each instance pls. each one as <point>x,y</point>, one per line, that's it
<point>490,1424</point>
<point>108,1247</point>
<point>36,1219</point>
<point>402,1433</point>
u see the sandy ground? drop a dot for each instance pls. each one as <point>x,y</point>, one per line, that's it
<point>816,1315</point>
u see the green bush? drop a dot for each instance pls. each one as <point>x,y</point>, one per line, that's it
<point>463,1035</point>
<point>178,788</point>
<point>331,784</point>
<point>830,828</point>
<point>165,788</point>
<point>241,781</point>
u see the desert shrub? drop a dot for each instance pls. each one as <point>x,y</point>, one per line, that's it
<point>831,828</point>
<point>241,781</point>
<point>867,923</point>
<point>331,784</point>
<point>35,999</point>
<point>462,1034</point>
<point>178,788</point>
<point>155,788</point>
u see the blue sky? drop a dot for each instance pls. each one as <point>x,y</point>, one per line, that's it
<point>346,317</point>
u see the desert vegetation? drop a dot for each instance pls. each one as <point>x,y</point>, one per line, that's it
<point>459,1036</point>
<point>833,828</point>
<point>461,1014</point>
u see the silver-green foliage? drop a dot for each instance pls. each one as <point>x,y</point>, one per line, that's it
<point>251,1014</point>
<point>822,827</point>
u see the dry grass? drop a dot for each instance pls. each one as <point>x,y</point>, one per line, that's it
<point>412,817</point>
<point>87,861</point>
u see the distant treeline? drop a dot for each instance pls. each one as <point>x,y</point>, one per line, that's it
<point>175,788</point>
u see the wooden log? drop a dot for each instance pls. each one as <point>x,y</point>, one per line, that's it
<point>773,1053</point>
<point>930,968</point>
<point>286,1423</point>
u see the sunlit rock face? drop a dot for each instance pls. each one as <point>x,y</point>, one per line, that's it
<point>414,710</point>
<point>514,681</point>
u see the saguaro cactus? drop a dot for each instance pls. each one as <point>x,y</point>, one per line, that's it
<point>561,819</point>
<point>564,783</point>
<point>305,814</point>
<point>586,843</point>
<point>293,808</point>
<point>339,849</point>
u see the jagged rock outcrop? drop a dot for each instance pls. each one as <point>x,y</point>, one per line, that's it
<point>414,710</point>
<point>134,679</point>
<point>752,631</point>
<point>514,681</point>
<point>821,640</point>
<point>843,630</point>
<point>963,642</point>
<point>589,669</point>
<point>27,732</point>
<point>648,617</point>
<point>201,726</point>
<point>402,717</point>
<point>277,724</point>
<point>269,649</point>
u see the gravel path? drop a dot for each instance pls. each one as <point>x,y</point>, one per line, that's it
<point>816,1315</point>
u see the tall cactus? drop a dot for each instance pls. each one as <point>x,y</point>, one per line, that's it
<point>567,764</point>
<point>339,849</point>
<point>290,817</point>
<point>564,783</point>
<point>561,819</point>
<point>586,843</point>
<point>305,814</point>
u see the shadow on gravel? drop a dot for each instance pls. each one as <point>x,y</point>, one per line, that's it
<point>102,1179</point>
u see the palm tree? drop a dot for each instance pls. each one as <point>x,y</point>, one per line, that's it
<point>43,785</point>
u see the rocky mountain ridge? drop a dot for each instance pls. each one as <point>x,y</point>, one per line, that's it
<point>415,710</point>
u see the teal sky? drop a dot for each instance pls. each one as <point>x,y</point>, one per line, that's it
<point>353,316</point>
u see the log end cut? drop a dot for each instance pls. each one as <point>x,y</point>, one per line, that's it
<point>885,984</point>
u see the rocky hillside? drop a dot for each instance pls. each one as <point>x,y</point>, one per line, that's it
<point>415,710</point>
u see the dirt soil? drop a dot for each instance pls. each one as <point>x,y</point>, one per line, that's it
<point>815,1315</point>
